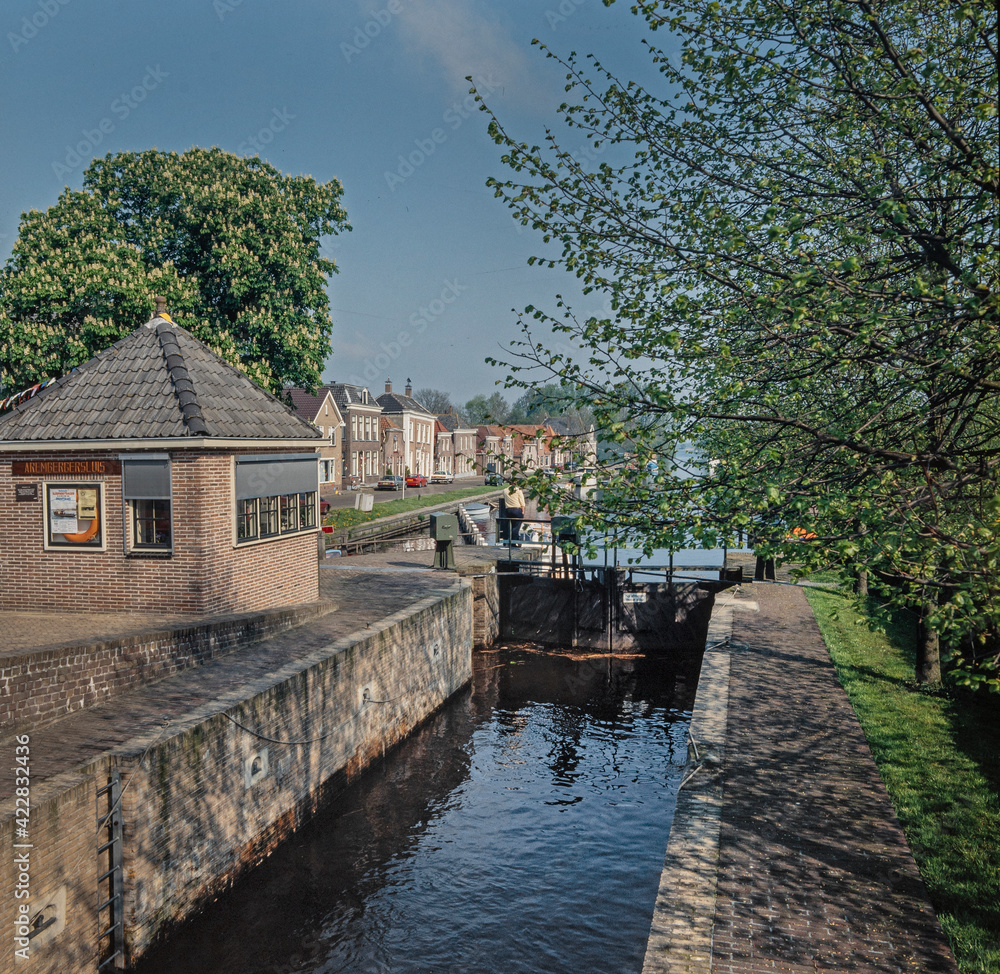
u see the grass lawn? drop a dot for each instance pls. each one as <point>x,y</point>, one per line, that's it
<point>348,517</point>
<point>939,755</point>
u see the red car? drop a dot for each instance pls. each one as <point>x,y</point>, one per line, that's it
<point>417,480</point>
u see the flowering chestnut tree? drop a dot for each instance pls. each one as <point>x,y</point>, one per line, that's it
<point>231,242</point>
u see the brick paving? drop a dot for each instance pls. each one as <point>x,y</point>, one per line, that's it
<point>814,871</point>
<point>366,590</point>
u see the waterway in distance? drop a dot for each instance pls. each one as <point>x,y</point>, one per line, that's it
<point>520,830</point>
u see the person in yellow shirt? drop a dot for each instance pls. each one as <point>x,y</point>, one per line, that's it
<point>515,511</point>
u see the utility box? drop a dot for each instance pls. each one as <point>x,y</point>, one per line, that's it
<point>444,531</point>
<point>444,527</point>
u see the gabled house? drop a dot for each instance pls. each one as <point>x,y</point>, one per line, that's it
<point>576,442</point>
<point>463,445</point>
<point>393,447</point>
<point>362,446</point>
<point>444,447</point>
<point>322,411</point>
<point>157,477</point>
<point>494,449</point>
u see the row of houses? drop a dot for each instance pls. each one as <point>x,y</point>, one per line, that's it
<point>366,437</point>
<point>158,477</point>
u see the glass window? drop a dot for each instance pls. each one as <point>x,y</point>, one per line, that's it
<point>289,506</point>
<point>307,511</point>
<point>246,519</point>
<point>146,489</point>
<point>268,518</point>
<point>151,524</point>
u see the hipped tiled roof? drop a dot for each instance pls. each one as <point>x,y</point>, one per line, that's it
<point>158,382</point>
<point>393,402</point>
<point>451,422</point>
<point>344,395</point>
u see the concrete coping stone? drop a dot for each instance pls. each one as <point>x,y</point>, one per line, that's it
<point>680,936</point>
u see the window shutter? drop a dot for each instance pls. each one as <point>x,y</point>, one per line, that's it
<point>268,474</point>
<point>146,478</point>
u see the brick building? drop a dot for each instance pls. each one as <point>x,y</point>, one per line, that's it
<point>462,446</point>
<point>362,447</point>
<point>322,411</point>
<point>157,477</point>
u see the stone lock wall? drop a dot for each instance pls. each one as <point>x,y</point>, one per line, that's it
<point>210,796</point>
<point>485,608</point>
<point>58,877</point>
<point>205,805</point>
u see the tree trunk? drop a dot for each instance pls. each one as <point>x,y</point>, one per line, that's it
<point>861,583</point>
<point>928,649</point>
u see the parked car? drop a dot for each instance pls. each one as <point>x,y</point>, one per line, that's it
<point>441,477</point>
<point>494,480</point>
<point>390,483</point>
<point>416,480</point>
<point>324,507</point>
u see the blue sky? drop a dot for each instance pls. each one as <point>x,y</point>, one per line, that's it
<point>373,93</point>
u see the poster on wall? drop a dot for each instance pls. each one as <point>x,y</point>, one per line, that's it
<point>73,515</point>
<point>62,509</point>
<point>86,503</point>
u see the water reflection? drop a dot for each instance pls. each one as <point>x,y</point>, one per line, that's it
<point>522,829</point>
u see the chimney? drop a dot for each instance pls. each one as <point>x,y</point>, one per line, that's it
<point>409,389</point>
<point>388,385</point>
<point>161,305</point>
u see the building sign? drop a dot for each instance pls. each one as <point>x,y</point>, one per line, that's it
<point>26,492</point>
<point>633,597</point>
<point>64,468</point>
<point>73,517</point>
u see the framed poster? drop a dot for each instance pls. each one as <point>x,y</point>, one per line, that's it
<point>74,517</point>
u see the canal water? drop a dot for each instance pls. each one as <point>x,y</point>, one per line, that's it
<point>520,830</point>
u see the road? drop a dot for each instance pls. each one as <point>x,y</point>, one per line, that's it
<point>346,498</point>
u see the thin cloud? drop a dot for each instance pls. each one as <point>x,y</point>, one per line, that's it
<point>465,40</point>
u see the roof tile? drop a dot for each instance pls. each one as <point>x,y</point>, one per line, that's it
<point>158,382</point>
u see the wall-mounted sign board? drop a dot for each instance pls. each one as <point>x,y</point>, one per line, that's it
<point>64,468</point>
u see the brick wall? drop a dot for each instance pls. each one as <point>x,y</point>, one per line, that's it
<point>62,865</point>
<point>193,824</point>
<point>39,687</point>
<point>194,816</point>
<point>206,572</point>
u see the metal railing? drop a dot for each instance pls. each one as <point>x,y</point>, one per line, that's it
<point>111,940</point>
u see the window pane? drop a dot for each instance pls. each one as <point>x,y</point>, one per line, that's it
<point>246,519</point>
<point>151,523</point>
<point>268,517</point>
<point>307,511</point>
<point>289,513</point>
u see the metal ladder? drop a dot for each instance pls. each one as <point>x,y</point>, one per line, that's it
<point>110,882</point>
